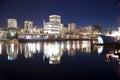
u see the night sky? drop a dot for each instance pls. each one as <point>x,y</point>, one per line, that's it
<point>81,12</point>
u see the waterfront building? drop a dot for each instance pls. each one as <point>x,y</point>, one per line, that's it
<point>3,32</point>
<point>116,34</point>
<point>12,28</point>
<point>12,23</point>
<point>71,27</point>
<point>61,26</point>
<point>55,19</point>
<point>28,25</point>
<point>54,26</point>
<point>51,28</point>
<point>97,29</point>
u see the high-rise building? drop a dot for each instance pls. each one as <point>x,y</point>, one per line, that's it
<point>12,23</point>
<point>54,25</point>
<point>28,24</point>
<point>55,19</point>
<point>51,28</point>
<point>97,28</point>
<point>71,26</point>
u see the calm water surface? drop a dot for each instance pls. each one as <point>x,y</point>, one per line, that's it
<point>58,61</point>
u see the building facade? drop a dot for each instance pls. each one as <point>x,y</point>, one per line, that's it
<point>71,26</point>
<point>55,19</point>
<point>54,25</point>
<point>51,28</point>
<point>12,23</point>
<point>97,29</point>
<point>28,25</point>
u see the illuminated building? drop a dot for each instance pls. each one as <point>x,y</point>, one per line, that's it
<point>71,26</point>
<point>55,19</point>
<point>52,52</point>
<point>51,28</point>
<point>116,34</point>
<point>12,28</point>
<point>97,29</point>
<point>12,51</point>
<point>28,25</point>
<point>54,25</point>
<point>12,23</point>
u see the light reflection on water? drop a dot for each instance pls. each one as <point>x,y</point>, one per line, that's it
<point>51,50</point>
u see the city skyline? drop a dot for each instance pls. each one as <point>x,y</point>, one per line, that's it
<point>81,12</point>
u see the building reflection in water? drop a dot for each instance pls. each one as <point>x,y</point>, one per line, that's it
<point>51,50</point>
<point>12,51</point>
<point>0,49</point>
<point>86,46</point>
<point>114,55</point>
<point>98,49</point>
<point>29,49</point>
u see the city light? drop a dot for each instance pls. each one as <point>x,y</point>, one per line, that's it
<point>0,49</point>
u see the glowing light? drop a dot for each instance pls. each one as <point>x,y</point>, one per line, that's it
<point>100,49</point>
<point>68,45</point>
<point>62,45</point>
<point>78,45</point>
<point>12,48</point>
<point>73,46</point>
<point>51,49</point>
<point>115,56</point>
<point>38,47</point>
<point>31,47</point>
<point>116,34</point>
<point>100,40</point>
<point>50,62</point>
<point>10,58</point>
<point>12,34</point>
<point>84,44</point>
<point>0,49</point>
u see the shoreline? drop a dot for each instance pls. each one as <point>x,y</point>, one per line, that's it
<point>50,39</point>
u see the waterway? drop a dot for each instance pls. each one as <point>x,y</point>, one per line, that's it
<point>76,60</point>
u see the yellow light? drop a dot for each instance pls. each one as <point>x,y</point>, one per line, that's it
<point>51,49</point>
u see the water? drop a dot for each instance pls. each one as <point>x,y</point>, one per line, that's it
<point>57,60</point>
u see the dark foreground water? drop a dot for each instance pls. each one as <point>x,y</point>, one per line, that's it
<point>74,60</point>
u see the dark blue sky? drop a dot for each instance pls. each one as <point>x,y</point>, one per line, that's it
<point>81,12</point>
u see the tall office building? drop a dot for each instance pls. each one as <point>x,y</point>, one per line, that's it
<point>54,25</point>
<point>97,28</point>
<point>55,19</point>
<point>51,28</point>
<point>28,25</point>
<point>12,23</point>
<point>71,26</point>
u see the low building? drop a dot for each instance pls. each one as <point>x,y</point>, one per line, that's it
<point>51,28</point>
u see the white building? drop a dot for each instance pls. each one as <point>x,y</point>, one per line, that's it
<point>54,25</point>
<point>116,34</point>
<point>71,26</point>
<point>28,25</point>
<point>51,28</point>
<point>55,19</point>
<point>12,23</point>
